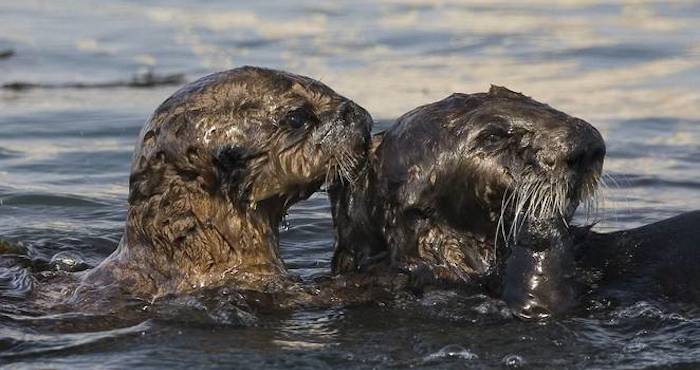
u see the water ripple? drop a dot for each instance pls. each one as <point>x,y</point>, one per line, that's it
<point>15,282</point>
<point>20,342</point>
<point>51,200</point>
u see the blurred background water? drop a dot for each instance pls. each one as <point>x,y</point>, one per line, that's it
<point>631,68</point>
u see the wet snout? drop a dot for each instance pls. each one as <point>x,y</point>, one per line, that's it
<point>358,120</point>
<point>587,148</point>
<point>351,126</point>
<point>344,140</point>
<point>573,144</point>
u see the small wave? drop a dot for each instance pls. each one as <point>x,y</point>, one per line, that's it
<point>642,334</point>
<point>15,282</point>
<point>217,306</point>
<point>8,153</point>
<point>450,352</point>
<point>48,318</point>
<point>619,52</point>
<point>647,310</point>
<point>41,199</point>
<point>145,80</point>
<point>454,351</point>
<point>22,343</point>
<point>628,180</point>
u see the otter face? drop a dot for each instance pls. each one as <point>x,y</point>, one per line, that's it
<point>269,134</point>
<point>472,179</point>
<point>312,136</point>
<point>514,159</point>
<point>541,162</point>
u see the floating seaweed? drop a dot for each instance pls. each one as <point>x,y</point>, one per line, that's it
<point>9,248</point>
<point>143,80</point>
<point>6,53</point>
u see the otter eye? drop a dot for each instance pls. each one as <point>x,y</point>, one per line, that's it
<point>493,138</point>
<point>496,134</point>
<point>297,118</point>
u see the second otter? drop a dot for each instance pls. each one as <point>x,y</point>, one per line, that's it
<point>478,190</point>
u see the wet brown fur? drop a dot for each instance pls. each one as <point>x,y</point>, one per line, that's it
<point>213,174</point>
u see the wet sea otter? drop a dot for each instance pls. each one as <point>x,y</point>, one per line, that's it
<point>478,190</point>
<point>215,169</point>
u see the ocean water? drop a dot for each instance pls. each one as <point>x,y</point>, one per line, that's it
<point>630,68</point>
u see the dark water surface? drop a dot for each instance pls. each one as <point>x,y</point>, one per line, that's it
<point>632,69</point>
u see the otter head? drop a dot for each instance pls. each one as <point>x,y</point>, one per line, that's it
<point>485,185</point>
<point>216,168</point>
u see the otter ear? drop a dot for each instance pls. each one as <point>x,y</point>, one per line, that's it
<point>504,92</point>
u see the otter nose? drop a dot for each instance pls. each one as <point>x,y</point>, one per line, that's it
<point>586,145</point>
<point>355,116</point>
<point>586,154</point>
<point>355,125</point>
<point>575,144</point>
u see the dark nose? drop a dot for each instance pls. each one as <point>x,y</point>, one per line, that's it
<point>354,115</point>
<point>575,144</point>
<point>586,147</point>
<point>358,121</point>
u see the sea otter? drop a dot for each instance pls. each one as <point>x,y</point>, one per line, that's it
<point>478,191</point>
<point>215,169</point>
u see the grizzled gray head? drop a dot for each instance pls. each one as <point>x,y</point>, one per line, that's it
<point>501,152</point>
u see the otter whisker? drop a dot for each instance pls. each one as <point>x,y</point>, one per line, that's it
<point>536,201</point>
<point>331,173</point>
<point>530,193</point>
<point>350,164</point>
<point>546,197</point>
<point>525,193</point>
<point>592,196</point>
<point>517,206</point>
<point>547,209</point>
<point>562,199</point>
<point>508,197</point>
<point>346,166</point>
<point>532,197</point>
<point>542,202</point>
<point>611,179</point>
<point>550,204</point>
